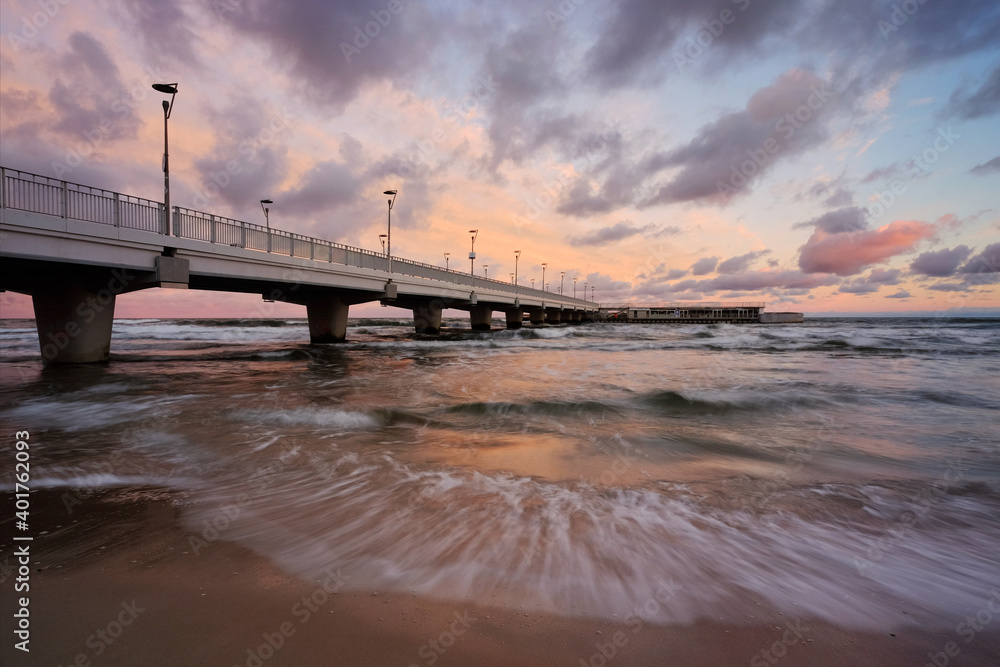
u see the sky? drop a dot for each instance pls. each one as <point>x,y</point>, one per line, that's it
<point>819,156</point>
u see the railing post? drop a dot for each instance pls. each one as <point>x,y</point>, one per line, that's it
<point>117,213</point>
<point>269,239</point>
<point>211,227</point>
<point>175,218</point>
<point>64,201</point>
<point>312,249</point>
<point>3,188</point>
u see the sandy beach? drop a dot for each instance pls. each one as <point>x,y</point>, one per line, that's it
<point>117,583</point>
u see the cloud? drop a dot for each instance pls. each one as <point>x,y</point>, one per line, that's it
<point>704,265</point>
<point>849,253</point>
<point>754,281</point>
<point>848,219</point>
<point>605,235</point>
<point>985,101</point>
<point>901,294</point>
<point>884,276</point>
<point>986,168</point>
<point>859,287</point>
<point>950,287</point>
<point>741,263</point>
<point>940,263</point>
<point>988,261</point>
<point>782,119</point>
<point>674,274</point>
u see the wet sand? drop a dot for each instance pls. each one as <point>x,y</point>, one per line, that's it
<point>117,582</point>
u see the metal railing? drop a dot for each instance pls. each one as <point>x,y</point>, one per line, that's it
<point>708,305</point>
<point>40,194</point>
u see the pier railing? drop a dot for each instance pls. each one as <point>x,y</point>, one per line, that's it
<point>41,194</point>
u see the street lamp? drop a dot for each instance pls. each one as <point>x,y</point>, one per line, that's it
<point>517,256</point>
<point>267,220</point>
<point>472,253</point>
<point>585,291</point>
<point>388,235</point>
<point>532,283</point>
<point>446,256</point>
<point>486,271</point>
<point>544,264</point>
<point>512,279</point>
<point>592,294</point>
<point>574,287</point>
<point>167,89</point>
<point>562,281</point>
<point>382,238</point>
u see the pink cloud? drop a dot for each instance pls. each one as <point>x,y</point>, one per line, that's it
<point>849,253</point>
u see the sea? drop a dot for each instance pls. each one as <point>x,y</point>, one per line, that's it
<point>840,469</point>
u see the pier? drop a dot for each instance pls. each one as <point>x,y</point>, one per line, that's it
<point>74,248</point>
<point>696,313</point>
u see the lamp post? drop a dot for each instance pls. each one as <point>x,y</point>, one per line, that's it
<point>472,252</point>
<point>532,283</point>
<point>388,235</point>
<point>486,271</point>
<point>267,220</point>
<point>512,279</point>
<point>585,291</point>
<point>592,294</point>
<point>382,238</point>
<point>562,281</point>
<point>517,256</point>
<point>446,256</point>
<point>574,287</point>
<point>544,264</point>
<point>167,89</point>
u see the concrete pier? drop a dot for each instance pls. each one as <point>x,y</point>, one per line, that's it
<point>74,322</point>
<point>515,318</point>
<point>327,319</point>
<point>536,315</point>
<point>427,318</point>
<point>481,316</point>
<point>553,315</point>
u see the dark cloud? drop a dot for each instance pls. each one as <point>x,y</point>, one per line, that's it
<point>88,95</point>
<point>741,263</point>
<point>986,168</point>
<point>755,281</point>
<point>985,101</point>
<point>901,294</point>
<point>328,50</point>
<point>604,235</point>
<point>950,287</point>
<point>884,276</point>
<point>166,31</point>
<point>841,197</point>
<point>729,154</point>
<point>704,265</point>
<point>988,261</point>
<point>324,188</point>
<point>859,287</point>
<point>850,219</point>
<point>940,263</point>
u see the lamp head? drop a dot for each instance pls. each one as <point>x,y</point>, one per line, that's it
<point>168,88</point>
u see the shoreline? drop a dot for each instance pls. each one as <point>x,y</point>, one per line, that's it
<point>115,582</point>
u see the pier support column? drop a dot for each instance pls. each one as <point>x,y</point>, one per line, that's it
<point>482,317</point>
<point>515,317</point>
<point>427,318</point>
<point>552,315</point>
<point>577,316</point>
<point>327,319</point>
<point>74,323</point>
<point>537,315</point>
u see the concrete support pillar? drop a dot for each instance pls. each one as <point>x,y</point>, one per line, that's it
<point>577,316</point>
<point>515,316</point>
<point>482,317</point>
<point>74,324</point>
<point>552,315</point>
<point>427,318</point>
<point>537,315</point>
<point>327,319</point>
